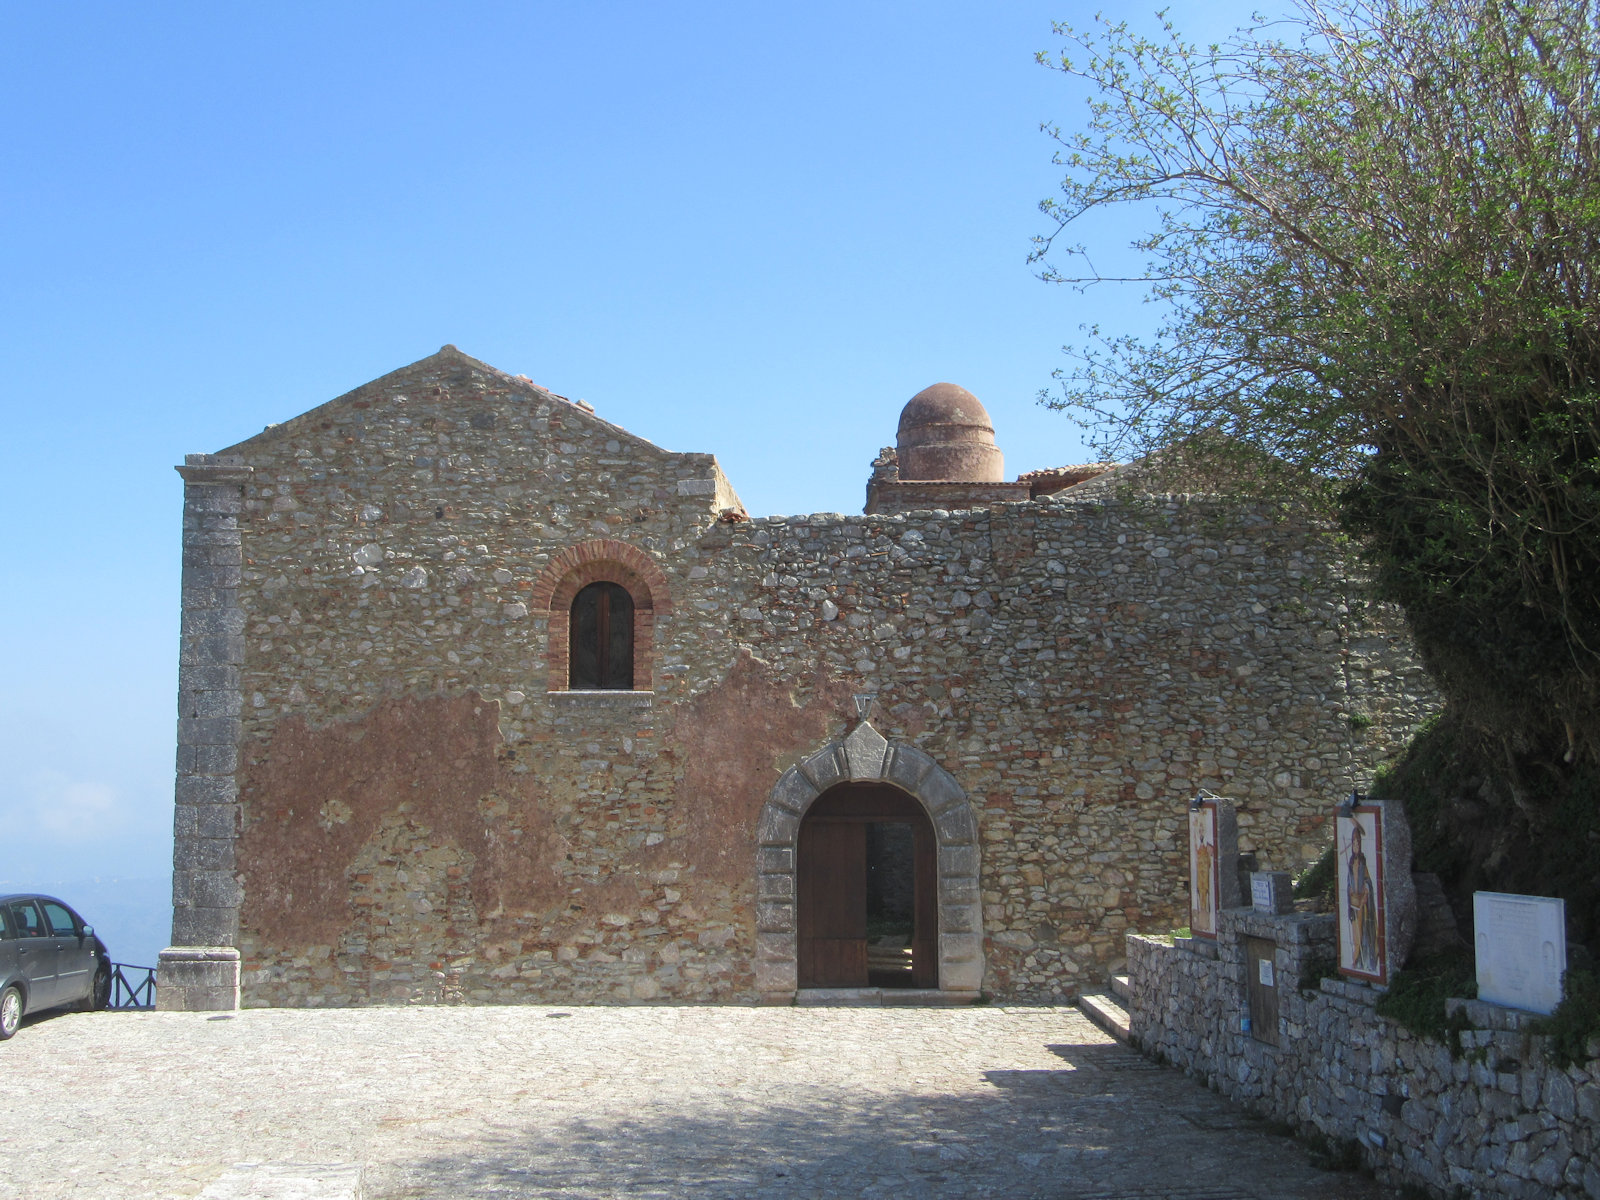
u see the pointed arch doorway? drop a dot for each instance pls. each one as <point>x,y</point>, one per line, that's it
<point>867,912</point>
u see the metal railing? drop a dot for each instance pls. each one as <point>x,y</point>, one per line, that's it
<point>139,992</point>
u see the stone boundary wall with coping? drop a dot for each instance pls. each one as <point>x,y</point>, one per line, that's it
<point>1501,1120</point>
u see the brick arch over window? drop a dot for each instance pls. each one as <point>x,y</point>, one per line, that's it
<point>609,561</point>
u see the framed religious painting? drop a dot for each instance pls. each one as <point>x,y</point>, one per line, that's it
<point>1205,869</point>
<point>1359,908</point>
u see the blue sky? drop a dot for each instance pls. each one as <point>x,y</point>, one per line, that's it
<point>754,230</point>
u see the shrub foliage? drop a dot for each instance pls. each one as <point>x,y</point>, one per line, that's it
<point>1376,231</point>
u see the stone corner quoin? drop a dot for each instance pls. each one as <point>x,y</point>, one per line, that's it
<point>395,783</point>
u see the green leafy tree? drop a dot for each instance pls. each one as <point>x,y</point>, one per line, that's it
<point>1376,231</point>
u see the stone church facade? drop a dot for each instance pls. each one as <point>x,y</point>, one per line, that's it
<point>482,697</point>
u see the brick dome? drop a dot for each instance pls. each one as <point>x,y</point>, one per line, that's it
<point>945,434</point>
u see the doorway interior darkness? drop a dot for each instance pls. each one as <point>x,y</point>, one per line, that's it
<point>867,904</point>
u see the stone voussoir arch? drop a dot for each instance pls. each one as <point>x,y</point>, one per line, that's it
<point>600,559</point>
<point>866,756</point>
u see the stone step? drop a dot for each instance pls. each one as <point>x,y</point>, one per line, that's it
<point>867,997</point>
<point>1120,989</point>
<point>1106,1013</point>
<point>871,997</point>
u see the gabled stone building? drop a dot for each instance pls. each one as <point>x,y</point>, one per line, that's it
<point>482,696</point>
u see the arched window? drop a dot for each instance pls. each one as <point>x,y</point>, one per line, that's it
<point>600,649</point>
<point>636,596</point>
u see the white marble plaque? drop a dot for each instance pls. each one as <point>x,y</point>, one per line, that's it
<point>1271,892</point>
<point>1521,944</point>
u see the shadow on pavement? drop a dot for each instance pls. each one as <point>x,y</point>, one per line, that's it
<point>1098,1128</point>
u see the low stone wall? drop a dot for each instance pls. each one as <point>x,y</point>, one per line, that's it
<point>1501,1120</point>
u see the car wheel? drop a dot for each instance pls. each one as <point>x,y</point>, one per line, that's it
<point>10,1011</point>
<point>99,993</point>
<point>100,998</point>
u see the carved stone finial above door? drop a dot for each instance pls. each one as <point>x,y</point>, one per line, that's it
<point>864,702</point>
<point>864,751</point>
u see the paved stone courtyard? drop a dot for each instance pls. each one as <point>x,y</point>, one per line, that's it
<point>635,1102</point>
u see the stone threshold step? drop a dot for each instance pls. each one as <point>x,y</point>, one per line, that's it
<point>880,998</point>
<point>1106,1013</point>
<point>1120,989</point>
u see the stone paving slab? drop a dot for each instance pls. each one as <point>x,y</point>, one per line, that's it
<point>715,1102</point>
<point>287,1181</point>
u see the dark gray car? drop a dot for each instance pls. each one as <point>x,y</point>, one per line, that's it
<point>48,958</point>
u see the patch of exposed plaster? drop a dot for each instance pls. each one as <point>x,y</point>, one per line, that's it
<point>429,760</point>
<point>734,741</point>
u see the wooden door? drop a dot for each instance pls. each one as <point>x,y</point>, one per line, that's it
<point>831,886</point>
<point>925,938</point>
<point>1261,986</point>
<point>832,904</point>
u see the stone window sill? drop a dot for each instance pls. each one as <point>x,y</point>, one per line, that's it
<point>603,699</point>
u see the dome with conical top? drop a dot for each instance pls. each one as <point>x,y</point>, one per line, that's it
<point>945,434</point>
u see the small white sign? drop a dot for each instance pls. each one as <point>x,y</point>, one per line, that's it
<point>1521,945</point>
<point>1264,971</point>
<point>1261,891</point>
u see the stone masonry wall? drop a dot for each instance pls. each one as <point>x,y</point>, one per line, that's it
<point>422,819</point>
<point>1081,671</point>
<point>1501,1120</point>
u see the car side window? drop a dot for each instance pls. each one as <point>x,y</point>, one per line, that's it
<point>28,921</point>
<point>61,922</point>
<point>5,925</point>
